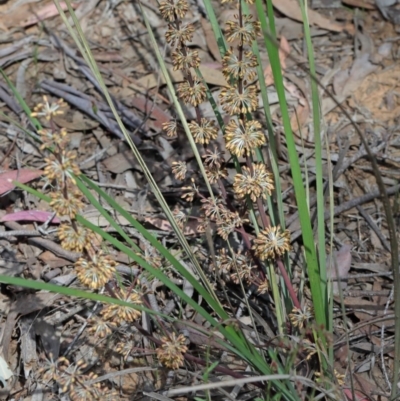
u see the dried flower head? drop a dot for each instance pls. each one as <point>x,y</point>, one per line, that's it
<point>179,169</point>
<point>170,353</point>
<point>118,313</point>
<point>263,287</point>
<point>177,37</point>
<point>243,137</point>
<point>204,132</point>
<point>339,377</point>
<point>50,138</point>
<point>62,167</point>
<point>239,265</point>
<point>48,110</point>
<point>74,240</point>
<point>81,390</point>
<point>71,374</point>
<point>234,101</point>
<point>228,223</point>
<point>224,261</point>
<point>244,31</point>
<point>100,328</point>
<point>194,93</point>
<point>170,128</point>
<point>241,275</point>
<point>214,174</point>
<point>97,272</point>
<point>235,67</point>
<point>190,192</point>
<point>255,182</point>
<point>299,318</point>
<point>50,369</point>
<point>180,217</point>
<point>213,158</point>
<point>170,9</point>
<point>272,243</point>
<point>70,206</point>
<point>214,208</point>
<point>309,348</point>
<point>184,58</point>
<point>124,348</point>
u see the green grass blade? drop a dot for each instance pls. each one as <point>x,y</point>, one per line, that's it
<point>300,194</point>
<point>318,157</point>
<point>34,121</point>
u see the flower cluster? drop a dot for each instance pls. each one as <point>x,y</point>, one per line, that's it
<point>73,380</point>
<point>95,269</point>
<point>170,352</point>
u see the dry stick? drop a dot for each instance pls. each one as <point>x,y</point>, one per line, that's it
<point>388,212</point>
<point>353,203</point>
<point>374,227</point>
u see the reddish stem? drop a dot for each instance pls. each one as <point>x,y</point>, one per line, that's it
<point>288,283</point>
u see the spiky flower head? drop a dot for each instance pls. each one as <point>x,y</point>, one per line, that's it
<point>244,31</point>
<point>214,208</point>
<point>118,314</point>
<point>263,287</point>
<point>170,128</point>
<point>185,58</point>
<point>74,239</point>
<point>243,137</point>
<point>50,368</point>
<point>124,348</point>
<point>235,67</point>
<point>213,157</point>
<point>171,351</point>
<point>177,37</point>
<point>235,101</point>
<point>62,167</point>
<point>95,273</point>
<point>170,9</point>
<point>272,243</point>
<point>70,206</point>
<point>179,169</point>
<point>71,374</point>
<point>192,93</point>
<point>180,217</point>
<point>100,328</point>
<point>50,138</point>
<point>255,182</point>
<point>214,174</point>
<point>190,192</point>
<point>80,391</point>
<point>300,317</point>
<point>242,268</point>
<point>48,110</point>
<point>224,261</point>
<point>340,377</point>
<point>204,132</point>
<point>227,224</point>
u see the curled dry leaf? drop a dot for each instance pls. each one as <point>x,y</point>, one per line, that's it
<point>339,266</point>
<point>23,176</point>
<point>30,215</point>
<point>291,9</point>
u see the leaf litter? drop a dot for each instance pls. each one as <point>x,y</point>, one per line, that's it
<point>357,62</point>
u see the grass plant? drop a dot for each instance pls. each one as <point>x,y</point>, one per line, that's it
<point>250,205</point>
